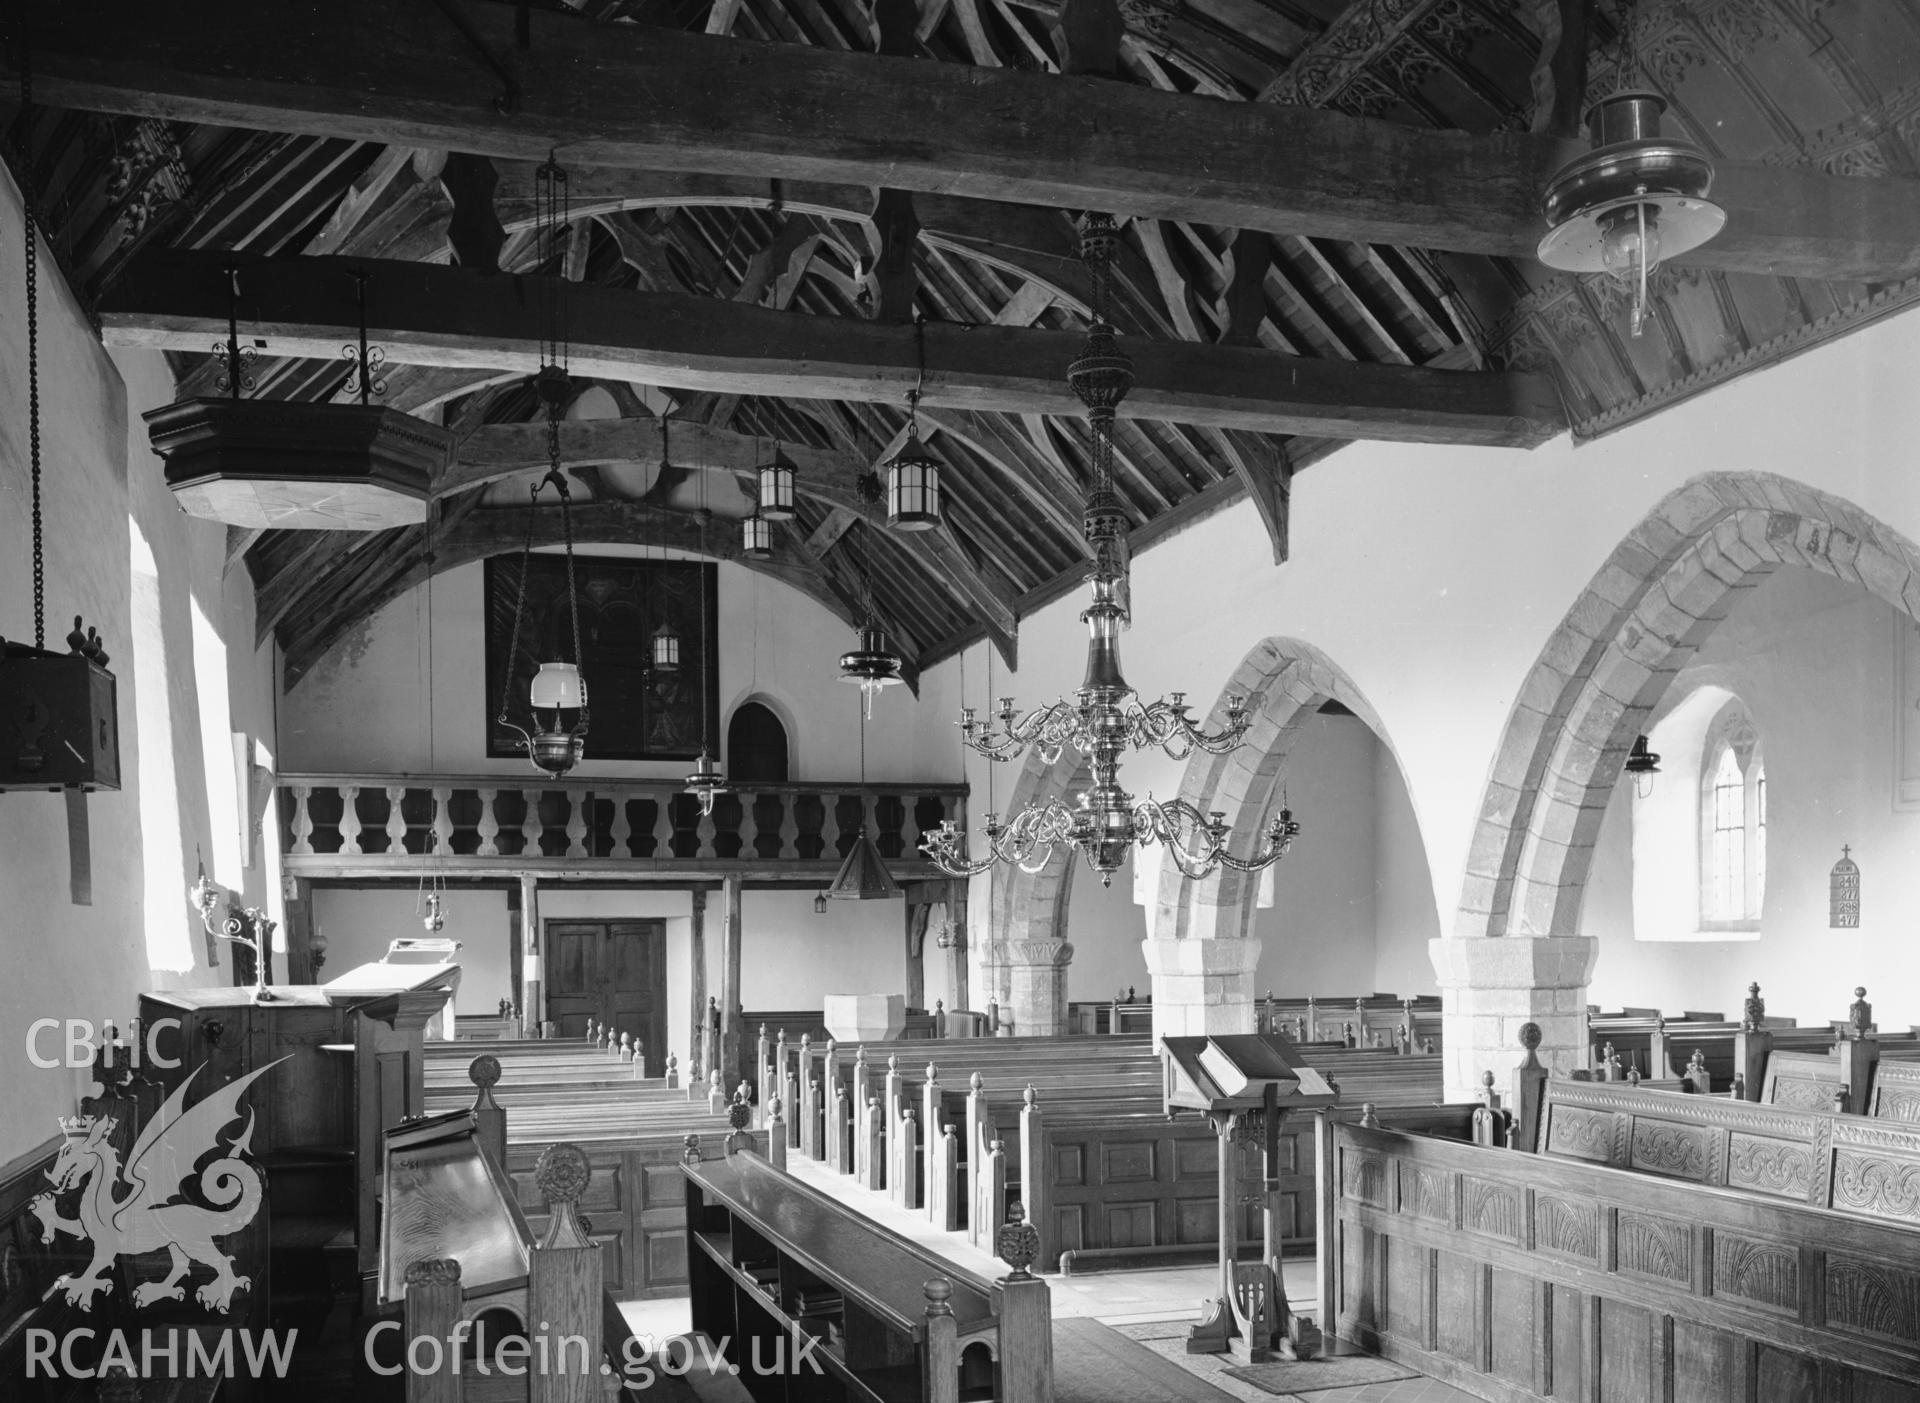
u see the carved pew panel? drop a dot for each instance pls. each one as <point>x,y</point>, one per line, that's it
<point>1896,1092</point>
<point>1519,1277</point>
<point>635,1205</point>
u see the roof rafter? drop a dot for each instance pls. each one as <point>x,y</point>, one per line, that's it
<point>633,95</point>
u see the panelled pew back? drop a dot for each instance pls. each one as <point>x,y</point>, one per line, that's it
<point>1377,1020</point>
<point>1520,1277</point>
<point>634,1136</point>
<point>1075,1134</point>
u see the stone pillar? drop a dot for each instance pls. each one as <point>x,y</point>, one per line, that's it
<point>1202,986</point>
<point>1037,971</point>
<point>1491,985</point>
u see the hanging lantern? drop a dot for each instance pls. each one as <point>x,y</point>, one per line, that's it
<point>435,920</point>
<point>1843,893</point>
<point>557,695</point>
<point>756,537</point>
<point>706,783</point>
<point>820,904</point>
<point>913,487</point>
<point>872,665</point>
<point>1643,764</point>
<point>1635,199</point>
<point>666,649</point>
<point>776,489</point>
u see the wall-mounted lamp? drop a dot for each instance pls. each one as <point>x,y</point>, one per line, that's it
<point>317,949</point>
<point>1643,764</point>
<point>246,926</point>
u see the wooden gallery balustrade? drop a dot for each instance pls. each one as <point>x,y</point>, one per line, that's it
<point>381,825</point>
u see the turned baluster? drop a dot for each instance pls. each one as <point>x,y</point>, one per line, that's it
<point>489,825</point>
<point>789,828</point>
<point>532,829</point>
<point>621,833</point>
<point>749,827</point>
<point>349,818</point>
<point>302,821</point>
<point>578,801</point>
<point>396,825</point>
<point>442,820</point>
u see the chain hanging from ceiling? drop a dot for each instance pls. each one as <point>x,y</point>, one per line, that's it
<point>1105,716</point>
<point>557,695</point>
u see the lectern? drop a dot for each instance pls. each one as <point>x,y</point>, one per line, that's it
<point>1246,1083</point>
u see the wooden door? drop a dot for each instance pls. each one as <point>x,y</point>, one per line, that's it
<point>613,973</point>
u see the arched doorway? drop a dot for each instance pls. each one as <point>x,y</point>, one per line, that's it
<point>756,746</point>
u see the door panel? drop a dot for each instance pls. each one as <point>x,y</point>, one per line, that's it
<point>613,973</point>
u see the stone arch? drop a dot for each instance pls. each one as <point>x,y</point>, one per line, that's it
<point>1661,593</point>
<point>1201,948</point>
<point>1283,682</point>
<point>1028,908</point>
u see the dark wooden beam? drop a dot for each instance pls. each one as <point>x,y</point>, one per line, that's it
<point>450,316</point>
<point>657,99</point>
<point>494,451</point>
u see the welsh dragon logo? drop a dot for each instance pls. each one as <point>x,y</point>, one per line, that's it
<point>123,1212</point>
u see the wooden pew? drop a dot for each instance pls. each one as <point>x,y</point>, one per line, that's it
<point>1524,1277</point>
<point>912,1325</point>
<point>1896,1092</point>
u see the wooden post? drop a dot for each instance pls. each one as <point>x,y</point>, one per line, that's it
<point>533,993</point>
<point>857,1099</point>
<point>931,1176</point>
<point>873,1135</point>
<point>830,1105</point>
<point>565,1281</point>
<point>490,1121</point>
<point>978,1233</point>
<point>1325,1225</point>
<point>890,1105</point>
<point>1657,1064</point>
<point>298,895</point>
<point>433,1306</point>
<point>780,1086</point>
<point>809,1141</point>
<point>993,1192</point>
<point>1026,1338</point>
<point>730,982</point>
<point>697,969</point>
<point>763,1071</point>
<point>916,918</point>
<point>1859,1052</point>
<point>776,1135</point>
<point>957,948</point>
<point>908,1163</point>
<point>1529,1091</point>
<point>1036,1186</point>
<point>942,1381</point>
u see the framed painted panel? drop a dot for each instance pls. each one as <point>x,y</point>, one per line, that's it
<point>639,712</point>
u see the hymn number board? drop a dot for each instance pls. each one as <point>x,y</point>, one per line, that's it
<point>639,712</point>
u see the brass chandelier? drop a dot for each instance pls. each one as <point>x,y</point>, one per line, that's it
<point>1106,716</point>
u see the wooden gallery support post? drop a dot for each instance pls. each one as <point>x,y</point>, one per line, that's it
<point>731,1040</point>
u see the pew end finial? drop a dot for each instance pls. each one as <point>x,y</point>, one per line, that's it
<point>562,1174</point>
<point>1753,1014</point>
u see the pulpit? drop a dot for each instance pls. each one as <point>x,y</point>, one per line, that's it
<point>1246,1083</point>
<point>345,1066</point>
